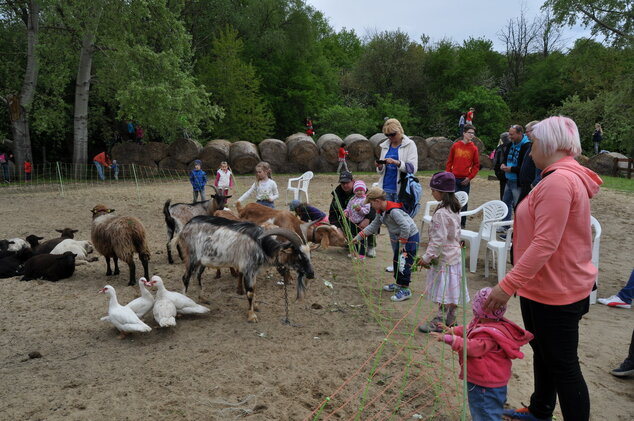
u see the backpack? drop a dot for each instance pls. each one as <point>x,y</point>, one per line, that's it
<point>410,193</point>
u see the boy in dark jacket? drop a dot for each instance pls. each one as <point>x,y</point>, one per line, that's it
<point>198,178</point>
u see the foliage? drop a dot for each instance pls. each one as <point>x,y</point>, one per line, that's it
<point>491,116</point>
<point>344,120</point>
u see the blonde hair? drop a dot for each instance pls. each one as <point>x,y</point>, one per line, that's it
<point>264,166</point>
<point>392,125</point>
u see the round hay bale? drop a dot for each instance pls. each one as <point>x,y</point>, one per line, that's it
<point>604,162</point>
<point>303,152</point>
<point>128,153</point>
<point>422,148</point>
<point>156,151</point>
<point>145,168</point>
<point>376,140</point>
<point>431,164</point>
<point>359,148</point>
<point>243,157</point>
<point>214,152</point>
<point>480,144</point>
<point>169,163</point>
<point>328,145</point>
<point>439,148</point>
<point>274,152</point>
<point>295,136</point>
<point>485,161</point>
<point>184,150</point>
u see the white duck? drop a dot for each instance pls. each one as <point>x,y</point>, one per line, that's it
<point>122,317</point>
<point>184,304</point>
<point>144,303</point>
<point>164,309</point>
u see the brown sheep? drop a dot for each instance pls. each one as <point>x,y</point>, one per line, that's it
<point>119,237</point>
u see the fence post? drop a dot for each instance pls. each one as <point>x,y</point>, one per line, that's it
<point>59,175</point>
<point>136,181</point>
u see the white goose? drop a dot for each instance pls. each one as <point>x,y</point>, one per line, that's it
<point>164,309</point>
<point>122,317</point>
<point>184,304</point>
<point>144,303</point>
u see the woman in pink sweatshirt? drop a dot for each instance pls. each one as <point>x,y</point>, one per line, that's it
<point>492,342</point>
<point>553,272</point>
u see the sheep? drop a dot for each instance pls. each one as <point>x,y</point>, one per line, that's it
<point>80,248</point>
<point>49,245</point>
<point>219,242</point>
<point>11,266</point>
<point>50,267</point>
<point>178,214</point>
<point>119,237</point>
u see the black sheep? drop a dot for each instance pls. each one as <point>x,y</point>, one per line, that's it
<point>48,245</point>
<point>14,265</point>
<point>51,267</point>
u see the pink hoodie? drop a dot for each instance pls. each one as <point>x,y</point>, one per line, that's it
<point>552,237</point>
<point>490,348</point>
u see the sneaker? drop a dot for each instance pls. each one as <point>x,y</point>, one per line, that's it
<point>431,326</point>
<point>390,287</point>
<point>389,269</point>
<point>522,414</point>
<point>371,252</point>
<point>614,301</point>
<point>625,369</point>
<point>360,257</point>
<point>402,295</point>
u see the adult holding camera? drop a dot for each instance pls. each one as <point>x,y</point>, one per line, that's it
<point>398,154</point>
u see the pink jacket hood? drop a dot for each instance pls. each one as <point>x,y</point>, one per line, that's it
<point>589,178</point>
<point>508,335</point>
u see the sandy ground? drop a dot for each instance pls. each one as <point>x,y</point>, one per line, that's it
<point>220,367</point>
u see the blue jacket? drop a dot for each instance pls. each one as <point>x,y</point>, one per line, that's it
<point>198,178</point>
<point>515,157</point>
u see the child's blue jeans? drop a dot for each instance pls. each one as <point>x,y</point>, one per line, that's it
<point>411,247</point>
<point>486,403</point>
<point>202,195</point>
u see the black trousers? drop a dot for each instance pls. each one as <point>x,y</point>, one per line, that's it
<point>555,362</point>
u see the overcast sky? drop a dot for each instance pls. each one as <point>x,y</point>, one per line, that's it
<point>454,19</point>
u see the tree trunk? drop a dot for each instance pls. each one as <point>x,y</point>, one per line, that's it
<point>19,106</point>
<point>82,93</point>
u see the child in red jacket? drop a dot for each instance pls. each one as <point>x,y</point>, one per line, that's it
<point>492,342</point>
<point>28,169</point>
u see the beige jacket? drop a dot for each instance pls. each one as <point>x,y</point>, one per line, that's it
<point>407,153</point>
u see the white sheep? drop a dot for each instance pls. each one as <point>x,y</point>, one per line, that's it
<point>80,248</point>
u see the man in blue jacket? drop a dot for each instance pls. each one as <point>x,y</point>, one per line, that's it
<point>514,160</point>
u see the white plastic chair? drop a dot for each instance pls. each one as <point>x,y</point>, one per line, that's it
<point>596,245</point>
<point>462,197</point>
<point>498,248</point>
<point>298,185</point>
<point>492,211</point>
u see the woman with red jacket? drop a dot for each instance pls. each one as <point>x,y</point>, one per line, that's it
<point>553,272</point>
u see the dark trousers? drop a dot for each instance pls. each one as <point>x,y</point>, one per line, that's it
<point>556,366</point>
<point>411,247</point>
<point>466,189</point>
<point>502,187</point>
<point>360,247</point>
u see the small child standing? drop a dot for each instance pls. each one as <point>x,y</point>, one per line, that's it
<point>28,168</point>
<point>115,169</point>
<point>198,178</point>
<point>265,189</point>
<point>224,178</point>
<point>442,256</point>
<point>492,342</point>
<point>342,154</point>
<point>357,209</point>
<point>399,224</point>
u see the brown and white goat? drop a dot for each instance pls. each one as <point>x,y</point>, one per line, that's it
<point>178,214</point>
<point>119,237</point>
<point>326,235</point>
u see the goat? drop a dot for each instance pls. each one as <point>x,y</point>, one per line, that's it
<point>219,242</point>
<point>11,266</point>
<point>260,214</point>
<point>50,267</point>
<point>119,237</point>
<point>80,248</point>
<point>178,214</point>
<point>326,235</point>
<point>49,245</point>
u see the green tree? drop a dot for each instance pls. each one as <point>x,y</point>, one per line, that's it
<point>492,113</point>
<point>344,120</point>
<point>237,90</point>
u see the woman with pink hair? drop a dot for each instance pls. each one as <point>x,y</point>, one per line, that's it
<point>553,272</point>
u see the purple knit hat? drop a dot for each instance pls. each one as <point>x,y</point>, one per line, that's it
<point>477,306</point>
<point>443,181</point>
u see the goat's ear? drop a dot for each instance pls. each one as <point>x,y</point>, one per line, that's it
<point>110,210</point>
<point>74,231</point>
<point>227,197</point>
<point>325,241</point>
<point>60,231</point>
<point>315,246</point>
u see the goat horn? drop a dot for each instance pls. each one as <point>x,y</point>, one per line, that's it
<point>283,232</point>
<point>214,187</point>
<point>304,228</point>
<point>323,226</point>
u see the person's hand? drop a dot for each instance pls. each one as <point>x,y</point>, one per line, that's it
<point>363,223</point>
<point>354,240</point>
<point>356,207</point>
<point>345,213</point>
<point>421,263</point>
<point>466,181</point>
<point>437,335</point>
<point>391,161</point>
<point>504,168</point>
<point>497,298</point>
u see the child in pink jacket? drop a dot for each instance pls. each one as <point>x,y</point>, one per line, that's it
<point>492,342</point>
